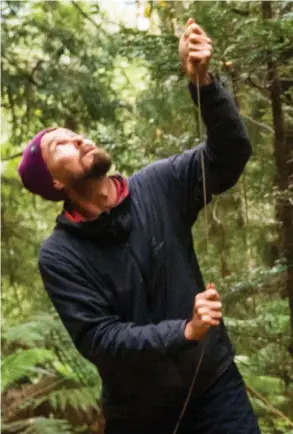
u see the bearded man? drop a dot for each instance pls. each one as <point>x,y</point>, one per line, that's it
<point>122,273</point>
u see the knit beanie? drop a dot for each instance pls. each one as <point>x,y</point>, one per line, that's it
<point>34,173</point>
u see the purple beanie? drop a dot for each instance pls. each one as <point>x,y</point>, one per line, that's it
<point>34,173</point>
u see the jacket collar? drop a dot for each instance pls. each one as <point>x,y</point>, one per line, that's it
<point>108,227</point>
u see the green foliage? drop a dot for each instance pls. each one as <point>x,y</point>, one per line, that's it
<point>49,74</point>
<point>40,358</point>
<point>21,364</point>
<point>29,334</point>
<point>37,425</point>
<point>66,63</point>
<point>79,399</point>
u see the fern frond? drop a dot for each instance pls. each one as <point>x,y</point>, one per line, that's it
<point>21,363</point>
<point>79,398</point>
<point>31,333</point>
<point>38,425</point>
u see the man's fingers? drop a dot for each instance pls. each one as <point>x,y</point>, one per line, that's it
<point>204,48</point>
<point>197,39</point>
<point>194,28</point>
<point>214,322</point>
<point>206,319</point>
<point>214,314</point>
<point>198,42</point>
<point>199,56</point>
<point>210,304</point>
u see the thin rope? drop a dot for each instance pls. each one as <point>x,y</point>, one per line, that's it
<point>203,342</point>
<point>189,392</point>
<point>204,187</point>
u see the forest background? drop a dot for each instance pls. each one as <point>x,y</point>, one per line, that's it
<point>110,70</point>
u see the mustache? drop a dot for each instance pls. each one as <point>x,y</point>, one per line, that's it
<point>99,169</point>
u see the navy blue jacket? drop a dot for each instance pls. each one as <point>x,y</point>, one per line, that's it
<point>124,284</point>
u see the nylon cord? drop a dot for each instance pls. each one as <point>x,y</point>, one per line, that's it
<point>186,402</point>
<point>204,185</point>
<point>203,341</point>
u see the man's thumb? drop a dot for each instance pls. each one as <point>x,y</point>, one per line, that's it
<point>210,286</point>
<point>189,21</point>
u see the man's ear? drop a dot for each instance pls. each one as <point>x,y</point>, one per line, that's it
<point>58,184</point>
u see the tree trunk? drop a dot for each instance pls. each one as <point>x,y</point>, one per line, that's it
<point>281,151</point>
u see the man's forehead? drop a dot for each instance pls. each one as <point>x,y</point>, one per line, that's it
<point>56,133</point>
<point>63,131</point>
<point>50,136</point>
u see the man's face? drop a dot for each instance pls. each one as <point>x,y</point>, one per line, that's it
<point>72,160</point>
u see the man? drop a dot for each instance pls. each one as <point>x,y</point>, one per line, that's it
<point>121,270</point>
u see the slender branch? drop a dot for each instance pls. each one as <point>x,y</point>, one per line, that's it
<point>252,83</point>
<point>215,217</point>
<point>37,65</point>
<point>239,12</point>
<point>257,86</point>
<point>28,397</point>
<point>85,15</point>
<point>259,124</point>
<point>23,73</point>
<point>27,92</point>
<point>11,157</point>
<point>264,340</point>
<point>269,405</point>
<point>287,8</point>
<point>10,181</point>
<point>11,103</point>
<point>11,277</point>
<point>13,233</point>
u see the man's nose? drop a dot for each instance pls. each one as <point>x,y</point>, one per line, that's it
<point>78,140</point>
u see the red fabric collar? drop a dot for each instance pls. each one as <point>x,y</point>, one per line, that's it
<point>122,193</point>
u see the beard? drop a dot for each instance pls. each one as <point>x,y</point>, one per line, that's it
<point>98,170</point>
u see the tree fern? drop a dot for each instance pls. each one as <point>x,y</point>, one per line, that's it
<point>21,363</point>
<point>31,333</point>
<point>79,398</point>
<point>38,425</point>
<point>75,383</point>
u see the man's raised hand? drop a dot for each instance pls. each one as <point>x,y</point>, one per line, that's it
<point>195,50</point>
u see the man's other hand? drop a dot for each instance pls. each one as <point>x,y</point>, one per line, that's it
<point>207,312</point>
